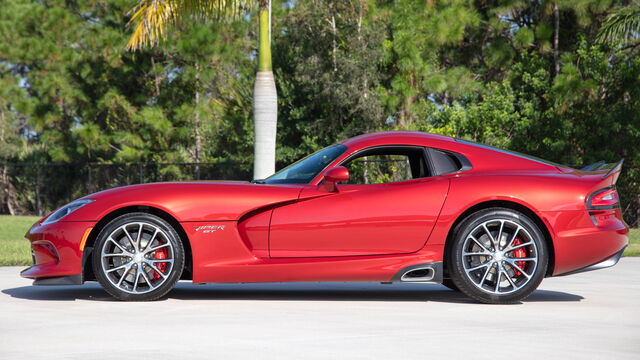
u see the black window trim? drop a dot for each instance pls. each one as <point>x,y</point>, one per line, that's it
<point>425,157</point>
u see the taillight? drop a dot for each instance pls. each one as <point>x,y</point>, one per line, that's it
<point>602,199</point>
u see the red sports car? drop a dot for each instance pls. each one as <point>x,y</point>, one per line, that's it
<point>385,207</point>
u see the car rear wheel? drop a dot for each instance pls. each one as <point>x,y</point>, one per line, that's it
<point>498,256</point>
<point>138,257</point>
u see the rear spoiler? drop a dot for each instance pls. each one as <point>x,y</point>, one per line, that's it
<point>601,165</point>
<point>616,168</point>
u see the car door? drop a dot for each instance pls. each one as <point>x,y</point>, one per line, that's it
<point>389,206</point>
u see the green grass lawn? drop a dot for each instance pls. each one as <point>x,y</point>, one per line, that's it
<point>14,248</point>
<point>634,243</point>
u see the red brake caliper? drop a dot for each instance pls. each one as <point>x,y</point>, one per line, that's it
<point>519,253</point>
<point>159,255</point>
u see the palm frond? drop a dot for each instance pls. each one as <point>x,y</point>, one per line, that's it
<point>621,26</point>
<point>152,18</point>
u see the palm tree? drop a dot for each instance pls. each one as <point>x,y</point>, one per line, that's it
<point>152,18</point>
<point>622,26</point>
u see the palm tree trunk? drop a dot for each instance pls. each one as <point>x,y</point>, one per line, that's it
<point>265,104</point>
<point>556,39</point>
<point>196,125</point>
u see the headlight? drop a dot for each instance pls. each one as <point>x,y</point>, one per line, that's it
<point>66,210</point>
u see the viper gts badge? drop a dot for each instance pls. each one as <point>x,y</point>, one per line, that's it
<point>209,228</point>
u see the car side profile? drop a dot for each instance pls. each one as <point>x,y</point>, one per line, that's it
<point>384,207</point>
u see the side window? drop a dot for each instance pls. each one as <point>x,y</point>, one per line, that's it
<point>383,165</point>
<point>444,163</point>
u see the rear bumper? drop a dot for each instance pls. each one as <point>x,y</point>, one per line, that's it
<point>601,265</point>
<point>582,240</point>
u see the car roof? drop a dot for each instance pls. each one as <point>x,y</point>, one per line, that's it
<point>394,137</point>
<point>481,156</point>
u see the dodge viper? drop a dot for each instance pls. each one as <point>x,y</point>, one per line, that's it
<point>385,207</point>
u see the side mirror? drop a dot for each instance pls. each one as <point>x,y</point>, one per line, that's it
<point>332,177</point>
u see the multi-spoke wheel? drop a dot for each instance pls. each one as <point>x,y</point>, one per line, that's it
<point>498,256</point>
<point>138,257</point>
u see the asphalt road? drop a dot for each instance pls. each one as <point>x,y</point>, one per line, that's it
<point>589,316</point>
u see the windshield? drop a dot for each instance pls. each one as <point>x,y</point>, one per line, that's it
<point>303,171</point>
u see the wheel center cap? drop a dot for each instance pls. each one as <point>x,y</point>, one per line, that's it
<point>137,258</point>
<point>498,256</point>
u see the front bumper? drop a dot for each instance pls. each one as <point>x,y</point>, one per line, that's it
<point>56,251</point>
<point>62,280</point>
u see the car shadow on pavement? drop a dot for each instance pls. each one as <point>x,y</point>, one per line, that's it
<point>282,292</point>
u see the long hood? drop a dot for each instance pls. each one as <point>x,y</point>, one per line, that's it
<point>189,201</point>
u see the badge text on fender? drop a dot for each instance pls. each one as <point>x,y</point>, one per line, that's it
<point>209,228</point>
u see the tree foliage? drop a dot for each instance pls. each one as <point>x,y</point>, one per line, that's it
<point>151,18</point>
<point>622,25</point>
<point>88,100</point>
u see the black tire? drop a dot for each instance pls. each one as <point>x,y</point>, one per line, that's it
<point>166,237</point>
<point>476,284</point>
<point>448,283</point>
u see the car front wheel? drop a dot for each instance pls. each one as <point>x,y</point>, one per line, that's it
<point>138,257</point>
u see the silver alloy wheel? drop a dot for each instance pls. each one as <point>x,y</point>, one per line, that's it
<point>499,256</point>
<point>137,257</point>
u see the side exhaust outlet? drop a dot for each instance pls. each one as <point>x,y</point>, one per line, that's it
<point>418,274</point>
<point>429,272</point>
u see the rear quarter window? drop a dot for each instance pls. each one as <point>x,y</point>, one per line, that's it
<point>444,162</point>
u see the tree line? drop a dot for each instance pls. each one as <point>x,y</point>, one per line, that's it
<point>555,79</point>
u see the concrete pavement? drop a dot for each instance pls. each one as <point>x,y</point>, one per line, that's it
<point>591,316</point>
